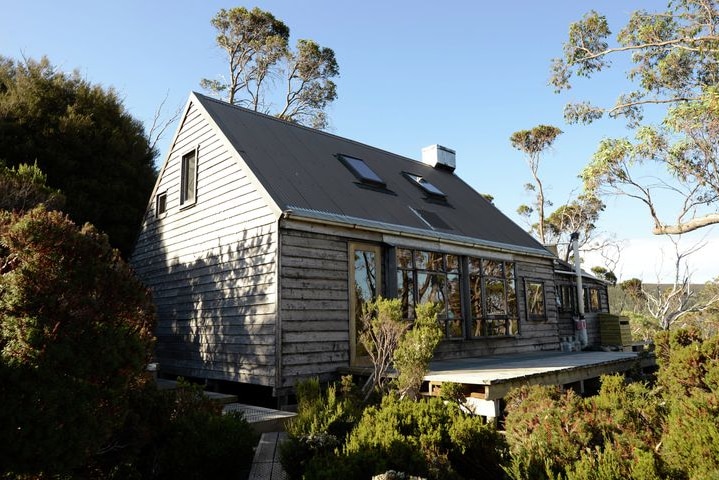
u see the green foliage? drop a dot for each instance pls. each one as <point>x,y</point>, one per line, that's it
<point>324,419</point>
<point>426,438</point>
<point>24,187</point>
<point>175,434</point>
<point>82,138</point>
<point>257,48</point>
<point>615,431</point>
<point>628,430</point>
<point>415,350</point>
<point>75,333</point>
<point>689,375</point>
<point>674,66</point>
<point>382,329</point>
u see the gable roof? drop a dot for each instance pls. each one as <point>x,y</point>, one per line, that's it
<point>300,170</point>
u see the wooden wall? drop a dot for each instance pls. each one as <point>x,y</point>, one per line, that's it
<point>314,308</point>
<point>211,266</point>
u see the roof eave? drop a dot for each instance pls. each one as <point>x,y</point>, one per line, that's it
<point>335,219</point>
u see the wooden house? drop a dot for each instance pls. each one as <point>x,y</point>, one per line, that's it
<point>263,238</point>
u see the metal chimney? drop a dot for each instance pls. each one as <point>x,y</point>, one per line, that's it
<point>438,156</point>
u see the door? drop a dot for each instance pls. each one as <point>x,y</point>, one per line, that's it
<point>365,284</point>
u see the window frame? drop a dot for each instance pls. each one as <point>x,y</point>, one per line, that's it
<point>161,212</point>
<point>509,317</point>
<point>531,316</point>
<point>371,178</point>
<point>432,190</point>
<point>189,159</point>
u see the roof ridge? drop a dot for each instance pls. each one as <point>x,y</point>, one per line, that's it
<point>299,125</point>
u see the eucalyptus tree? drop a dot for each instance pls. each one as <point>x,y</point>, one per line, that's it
<point>265,74</point>
<point>674,55</point>
<point>534,143</point>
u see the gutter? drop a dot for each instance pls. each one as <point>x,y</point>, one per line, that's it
<point>345,221</point>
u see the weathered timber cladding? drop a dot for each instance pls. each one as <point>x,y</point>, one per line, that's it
<point>212,266</point>
<point>533,335</point>
<point>313,305</point>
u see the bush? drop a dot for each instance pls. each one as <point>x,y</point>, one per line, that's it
<point>426,438</point>
<point>176,434</point>
<point>324,418</point>
<point>689,378</point>
<point>75,334</point>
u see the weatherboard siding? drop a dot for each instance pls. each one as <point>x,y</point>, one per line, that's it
<point>212,266</point>
<point>313,305</point>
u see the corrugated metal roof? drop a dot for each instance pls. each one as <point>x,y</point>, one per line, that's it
<point>299,168</point>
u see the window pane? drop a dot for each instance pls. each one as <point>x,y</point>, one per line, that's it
<point>405,292</point>
<point>475,265</point>
<point>421,260</point>
<point>535,299</point>
<point>512,299</point>
<point>492,268</point>
<point>431,288</point>
<point>594,300</point>
<point>404,258</point>
<point>496,327</point>
<point>454,295</point>
<point>452,264</point>
<point>509,270</point>
<point>435,262</point>
<point>494,291</point>
<point>454,327</point>
<point>365,275</point>
<point>360,169</point>
<point>478,327</point>
<point>513,326</point>
<point>475,295</point>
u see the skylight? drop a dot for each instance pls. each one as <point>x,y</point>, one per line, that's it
<point>360,170</point>
<point>425,185</point>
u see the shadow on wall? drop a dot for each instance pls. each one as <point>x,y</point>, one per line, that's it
<point>216,301</point>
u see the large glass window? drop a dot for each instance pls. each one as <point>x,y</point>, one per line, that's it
<point>424,276</point>
<point>493,298</point>
<point>365,277</point>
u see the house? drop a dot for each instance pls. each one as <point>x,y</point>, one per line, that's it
<point>263,239</point>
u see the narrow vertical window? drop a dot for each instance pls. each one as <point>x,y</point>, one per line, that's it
<point>365,281</point>
<point>160,204</point>
<point>536,309</point>
<point>188,178</point>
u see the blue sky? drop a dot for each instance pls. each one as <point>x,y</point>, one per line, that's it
<point>464,74</point>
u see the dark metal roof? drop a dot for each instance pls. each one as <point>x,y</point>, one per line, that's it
<point>299,168</point>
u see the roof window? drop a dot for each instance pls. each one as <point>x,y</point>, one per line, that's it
<point>425,185</point>
<point>360,170</point>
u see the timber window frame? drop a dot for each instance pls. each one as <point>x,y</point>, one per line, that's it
<point>493,308</point>
<point>161,204</point>
<point>592,300</point>
<point>478,295</point>
<point>536,299</point>
<point>188,179</point>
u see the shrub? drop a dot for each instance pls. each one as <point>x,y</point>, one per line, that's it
<point>75,334</point>
<point>425,438</point>
<point>324,418</point>
<point>176,434</point>
<point>689,378</point>
<point>415,350</point>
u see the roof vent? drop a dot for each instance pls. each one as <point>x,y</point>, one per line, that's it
<point>438,156</point>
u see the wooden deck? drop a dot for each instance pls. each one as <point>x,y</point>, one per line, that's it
<point>488,379</point>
